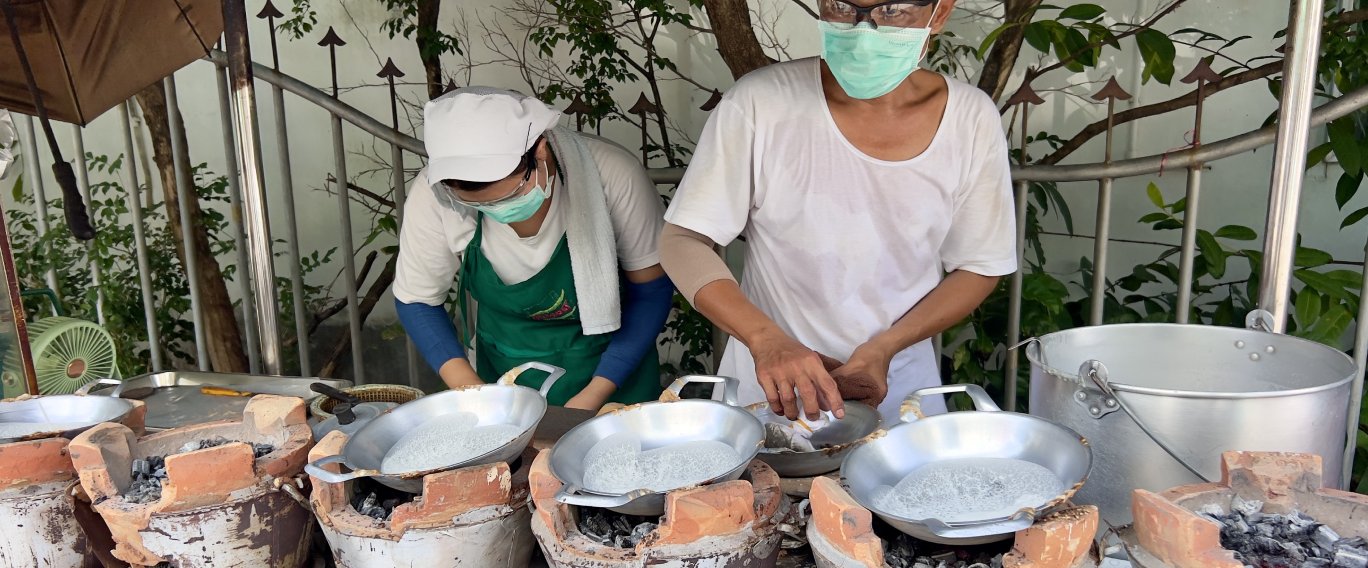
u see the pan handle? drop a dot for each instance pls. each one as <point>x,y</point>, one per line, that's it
<point>1020,521</point>
<point>730,386</point>
<point>554,373</point>
<point>118,387</point>
<point>316,469</point>
<point>570,495</point>
<point>911,406</point>
<point>1095,371</point>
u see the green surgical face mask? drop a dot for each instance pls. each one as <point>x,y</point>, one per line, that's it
<point>870,62</point>
<point>520,208</point>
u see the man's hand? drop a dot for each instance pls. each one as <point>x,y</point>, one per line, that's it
<point>783,366</point>
<point>864,377</point>
<point>594,395</point>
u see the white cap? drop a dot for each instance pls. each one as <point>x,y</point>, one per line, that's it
<point>480,133</point>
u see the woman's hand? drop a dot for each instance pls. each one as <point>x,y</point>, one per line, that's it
<point>594,395</point>
<point>458,373</point>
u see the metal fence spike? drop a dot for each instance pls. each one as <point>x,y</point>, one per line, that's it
<point>712,101</point>
<point>390,70</point>
<point>269,11</point>
<point>331,39</point>
<point>1112,90</point>
<point>1203,72</point>
<point>1025,94</point>
<point>643,106</point>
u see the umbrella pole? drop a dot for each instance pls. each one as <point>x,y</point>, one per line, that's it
<point>76,217</point>
<point>248,137</point>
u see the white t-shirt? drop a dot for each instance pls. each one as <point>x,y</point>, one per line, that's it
<point>436,230</point>
<point>841,245</point>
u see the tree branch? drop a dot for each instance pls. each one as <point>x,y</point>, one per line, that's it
<point>1002,58</point>
<point>367,305</point>
<point>363,191</point>
<point>1137,113</point>
<point>807,9</point>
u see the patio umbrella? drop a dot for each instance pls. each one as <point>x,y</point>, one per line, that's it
<point>80,58</point>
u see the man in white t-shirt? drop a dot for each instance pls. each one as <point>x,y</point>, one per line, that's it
<point>876,205</point>
<point>553,233</point>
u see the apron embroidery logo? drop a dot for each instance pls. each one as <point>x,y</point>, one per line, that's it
<point>558,310</point>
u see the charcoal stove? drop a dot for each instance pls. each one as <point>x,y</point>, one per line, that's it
<point>1267,509</point>
<point>472,517</point>
<point>221,505</point>
<point>731,524</point>
<point>36,501</point>
<point>843,534</point>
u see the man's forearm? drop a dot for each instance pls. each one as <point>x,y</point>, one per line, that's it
<point>723,303</point>
<point>958,295</point>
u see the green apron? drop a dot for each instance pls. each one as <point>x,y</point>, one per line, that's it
<point>538,320</point>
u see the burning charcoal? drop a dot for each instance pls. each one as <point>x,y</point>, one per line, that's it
<point>1317,563</point>
<point>621,526</point>
<point>141,467</point>
<point>639,532</point>
<point>978,565</point>
<point>1355,542</point>
<point>1350,558</point>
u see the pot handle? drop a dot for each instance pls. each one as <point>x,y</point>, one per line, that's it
<point>570,495</point>
<point>316,469</point>
<point>118,387</point>
<point>730,386</point>
<point>554,373</point>
<point>1096,372</point>
<point>911,406</point>
<point>1020,521</point>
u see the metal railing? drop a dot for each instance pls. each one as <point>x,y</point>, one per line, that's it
<point>1297,120</point>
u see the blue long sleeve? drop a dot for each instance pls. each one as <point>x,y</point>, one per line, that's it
<point>645,307</point>
<point>432,332</point>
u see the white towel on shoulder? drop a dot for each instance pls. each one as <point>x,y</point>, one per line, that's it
<point>589,234</point>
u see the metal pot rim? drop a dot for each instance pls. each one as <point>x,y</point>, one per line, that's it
<point>1033,356</point>
<point>828,451</point>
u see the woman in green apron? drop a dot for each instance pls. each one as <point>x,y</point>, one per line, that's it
<point>551,233</point>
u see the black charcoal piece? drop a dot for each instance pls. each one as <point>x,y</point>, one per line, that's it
<point>1350,558</point>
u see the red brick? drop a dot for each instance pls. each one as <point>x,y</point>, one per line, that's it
<point>769,494</point>
<point>452,493</point>
<point>710,510</point>
<point>103,458</point>
<point>1177,536</point>
<point>1059,540</point>
<point>845,524</point>
<point>207,477</point>
<point>328,497</point>
<point>34,462</point>
<point>1271,477</point>
<point>269,413</point>
<point>543,486</point>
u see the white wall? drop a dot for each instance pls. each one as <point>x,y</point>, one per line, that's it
<point>1235,189</point>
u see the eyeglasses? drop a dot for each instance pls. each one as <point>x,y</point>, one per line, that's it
<point>895,13</point>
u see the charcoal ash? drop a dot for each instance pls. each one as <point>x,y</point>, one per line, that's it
<point>1267,540</point>
<point>615,529</point>
<point>904,551</point>
<point>150,472</point>
<point>377,500</point>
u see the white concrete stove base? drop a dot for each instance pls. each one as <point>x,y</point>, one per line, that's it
<point>492,537</point>
<point>39,527</point>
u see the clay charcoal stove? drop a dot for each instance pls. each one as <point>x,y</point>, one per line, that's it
<point>1265,540</point>
<point>614,529</point>
<point>150,472</point>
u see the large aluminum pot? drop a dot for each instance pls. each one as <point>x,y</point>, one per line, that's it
<point>1198,390</point>
<point>501,403</point>
<point>987,432</point>
<point>656,424</point>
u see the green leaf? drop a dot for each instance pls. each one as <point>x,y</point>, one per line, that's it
<point>1154,217</point>
<point>1346,188</point>
<point>1082,12</point>
<point>1308,307</point>
<point>1345,145</point>
<point>1316,155</point>
<point>1084,54</point>
<point>1330,326</point>
<point>1354,217</point>
<point>992,38</point>
<point>1157,51</point>
<point>1155,196</point>
<point>1322,283</point>
<point>1236,232</point>
<point>1311,258</point>
<point>18,190</point>
<point>1037,35</point>
<point>1213,253</point>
